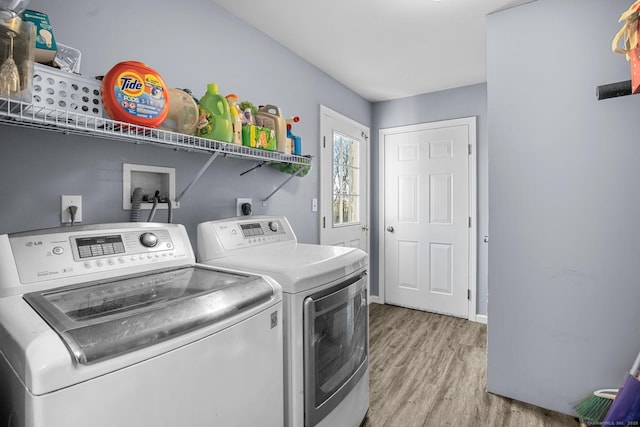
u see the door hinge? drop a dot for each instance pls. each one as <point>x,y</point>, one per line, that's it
<point>469,222</point>
<point>324,222</point>
<point>469,294</point>
<point>324,142</point>
<point>469,148</point>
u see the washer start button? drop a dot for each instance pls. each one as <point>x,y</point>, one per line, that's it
<point>58,250</point>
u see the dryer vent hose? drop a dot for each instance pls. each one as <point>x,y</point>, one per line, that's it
<point>136,202</point>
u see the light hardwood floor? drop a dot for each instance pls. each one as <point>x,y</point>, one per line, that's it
<point>430,370</point>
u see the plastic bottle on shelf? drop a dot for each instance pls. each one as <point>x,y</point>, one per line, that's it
<point>248,117</point>
<point>294,140</point>
<point>215,109</point>
<point>269,116</point>
<point>236,122</point>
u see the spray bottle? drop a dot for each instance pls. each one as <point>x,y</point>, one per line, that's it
<point>295,141</point>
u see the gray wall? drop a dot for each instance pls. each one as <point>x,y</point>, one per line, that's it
<point>564,204</point>
<point>190,43</point>
<point>468,101</point>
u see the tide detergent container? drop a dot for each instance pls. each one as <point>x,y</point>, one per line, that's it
<point>215,117</point>
<point>269,116</point>
<point>135,93</point>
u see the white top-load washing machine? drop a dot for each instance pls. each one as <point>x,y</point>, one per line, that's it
<point>116,325</point>
<point>325,313</point>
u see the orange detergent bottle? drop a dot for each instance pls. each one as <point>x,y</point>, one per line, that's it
<point>135,93</point>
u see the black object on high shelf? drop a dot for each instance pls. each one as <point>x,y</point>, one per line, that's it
<point>613,90</point>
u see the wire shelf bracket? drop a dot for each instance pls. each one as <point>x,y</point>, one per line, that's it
<point>266,199</point>
<point>18,113</point>
<point>198,175</point>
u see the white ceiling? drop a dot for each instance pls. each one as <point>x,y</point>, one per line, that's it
<point>381,49</point>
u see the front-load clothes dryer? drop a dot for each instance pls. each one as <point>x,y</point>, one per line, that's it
<point>325,313</point>
<point>116,325</point>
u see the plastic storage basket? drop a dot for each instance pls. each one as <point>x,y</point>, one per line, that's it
<point>57,93</point>
<point>68,58</point>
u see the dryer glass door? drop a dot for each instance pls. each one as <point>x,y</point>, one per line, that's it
<point>336,340</point>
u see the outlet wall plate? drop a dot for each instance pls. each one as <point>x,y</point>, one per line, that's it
<point>65,202</point>
<point>239,203</point>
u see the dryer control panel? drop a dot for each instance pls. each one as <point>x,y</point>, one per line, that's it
<point>225,235</point>
<point>70,252</point>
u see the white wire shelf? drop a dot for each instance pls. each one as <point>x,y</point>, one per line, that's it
<point>23,114</point>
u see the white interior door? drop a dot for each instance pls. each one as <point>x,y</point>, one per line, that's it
<point>428,215</point>
<point>344,162</point>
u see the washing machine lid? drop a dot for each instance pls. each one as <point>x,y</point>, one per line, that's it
<point>104,319</point>
<point>297,267</point>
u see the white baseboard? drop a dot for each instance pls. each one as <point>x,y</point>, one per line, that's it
<point>481,318</point>
<point>375,299</point>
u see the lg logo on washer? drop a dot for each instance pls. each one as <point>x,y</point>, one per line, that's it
<point>29,244</point>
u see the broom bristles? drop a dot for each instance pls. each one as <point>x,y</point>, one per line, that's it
<point>593,408</point>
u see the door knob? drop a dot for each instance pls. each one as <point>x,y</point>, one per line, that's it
<point>365,228</point>
<point>390,229</point>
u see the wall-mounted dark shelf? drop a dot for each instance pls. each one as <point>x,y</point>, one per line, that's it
<point>613,90</point>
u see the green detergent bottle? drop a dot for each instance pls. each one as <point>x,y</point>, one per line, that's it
<point>215,109</point>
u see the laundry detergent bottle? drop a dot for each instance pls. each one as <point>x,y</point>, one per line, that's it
<point>269,116</point>
<point>215,109</point>
<point>134,93</point>
<point>236,121</point>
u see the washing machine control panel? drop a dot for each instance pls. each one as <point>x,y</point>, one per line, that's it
<point>127,243</point>
<point>46,255</point>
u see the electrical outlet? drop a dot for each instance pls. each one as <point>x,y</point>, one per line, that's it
<point>65,215</point>
<point>239,203</point>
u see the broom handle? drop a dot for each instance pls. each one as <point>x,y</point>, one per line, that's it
<point>635,369</point>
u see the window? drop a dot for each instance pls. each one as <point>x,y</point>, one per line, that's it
<point>346,183</point>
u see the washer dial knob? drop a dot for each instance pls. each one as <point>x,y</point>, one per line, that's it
<point>273,226</point>
<point>148,239</point>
